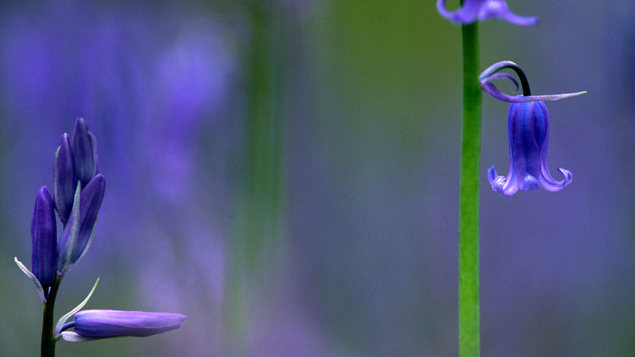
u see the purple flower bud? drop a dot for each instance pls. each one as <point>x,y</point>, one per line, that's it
<point>44,239</point>
<point>114,323</point>
<point>473,10</point>
<point>84,152</point>
<point>528,124</point>
<point>78,231</point>
<point>64,178</point>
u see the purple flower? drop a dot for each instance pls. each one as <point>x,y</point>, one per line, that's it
<point>528,125</point>
<point>78,232</point>
<point>95,324</point>
<point>473,10</point>
<point>44,239</point>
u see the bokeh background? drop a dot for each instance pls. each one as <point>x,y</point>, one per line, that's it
<point>285,173</point>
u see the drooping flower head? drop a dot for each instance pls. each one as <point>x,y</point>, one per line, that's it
<point>528,126</point>
<point>481,10</point>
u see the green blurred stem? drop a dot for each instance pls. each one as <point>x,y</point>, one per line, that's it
<point>469,335</point>
<point>257,236</point>
<point>47,347</point>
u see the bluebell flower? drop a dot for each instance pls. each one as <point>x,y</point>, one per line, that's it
<point>97,324</point>
<point>528,125</point>
<point>78,232</point>
<point>481,10</point>
<point>44,239</point>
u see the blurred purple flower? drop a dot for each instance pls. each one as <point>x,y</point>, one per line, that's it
<point>95,324</point>
<point>528,125</point>
<point>78,232</point>
<point>44,239</point>
<point>473,10</point>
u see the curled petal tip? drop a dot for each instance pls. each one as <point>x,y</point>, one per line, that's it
<point>491,175</point>
<point>552,185</point>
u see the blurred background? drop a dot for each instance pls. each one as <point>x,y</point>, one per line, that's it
<point>285,173</point>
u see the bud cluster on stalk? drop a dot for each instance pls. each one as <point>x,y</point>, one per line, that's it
<point>78,191</point>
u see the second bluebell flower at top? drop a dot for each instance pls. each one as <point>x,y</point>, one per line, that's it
<point>481,10</point>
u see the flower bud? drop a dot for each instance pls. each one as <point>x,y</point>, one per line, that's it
<point>84,152</point>
<point>44,239</point>
<point>114,323</point>
<point>64,178</point>
<point>78,231</point>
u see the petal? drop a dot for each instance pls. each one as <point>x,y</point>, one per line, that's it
<point>467,14</point>
<point>498,9</point>
<point>505,185</point>
<point>550,184</point>
<point>529,183</point>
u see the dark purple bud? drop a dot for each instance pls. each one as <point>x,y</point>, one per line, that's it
<point>85,152</point>
<point>64,178</point>
<point>78,231</point>
<point>44,239</point>
<point>114,323</point>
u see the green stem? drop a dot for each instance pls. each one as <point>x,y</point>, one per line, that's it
<point>469,335</point>
<point>257,237</point>
<point>47,347</point>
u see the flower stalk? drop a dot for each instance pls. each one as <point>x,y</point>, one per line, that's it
<point>47,346</point>
<point>469,320</point>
